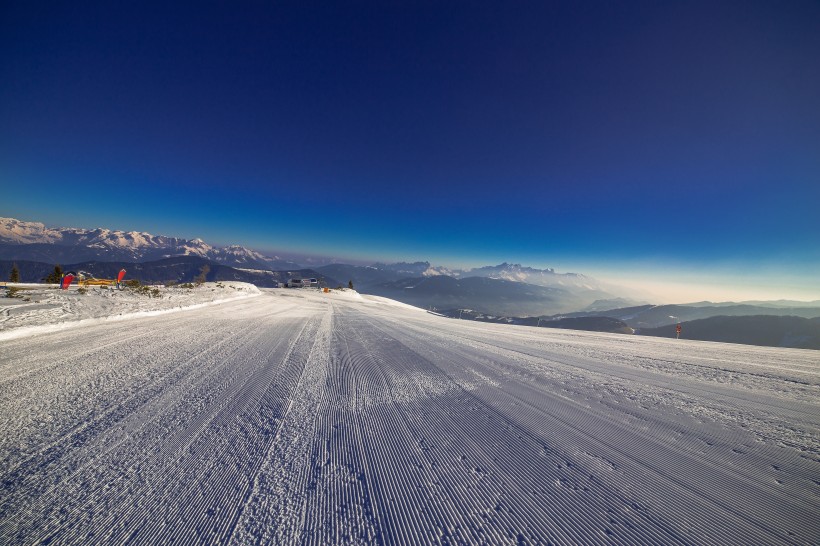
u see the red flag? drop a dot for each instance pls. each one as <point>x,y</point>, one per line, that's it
<point>67,278</point>
<point>120,276</point>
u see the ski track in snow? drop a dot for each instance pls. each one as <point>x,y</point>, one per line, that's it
<point>303,418</point>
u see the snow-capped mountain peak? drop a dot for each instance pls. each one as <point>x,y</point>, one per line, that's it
<point>20,232</point>
<point>113,245</point>
<point>530,275</point>
<point>415,269</point>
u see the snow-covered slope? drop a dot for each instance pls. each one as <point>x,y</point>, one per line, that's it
<point>298,417</point>
<point>31,240</point>
<point>38,308</point>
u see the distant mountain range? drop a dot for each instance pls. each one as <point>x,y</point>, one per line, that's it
<point>592,324</point>
<point>34,241</point>
<point>440,291</point>
<point>769,330</point>
<point>484,294</point>
<point>367,276</point>
<point>503,288</point>
<point>538,277</point>
<point>758,303</point>
<point>179,269</point>
<point>500,289</point>
<point>505,293</point>
<point>654,316</point>
<point>765,330</point>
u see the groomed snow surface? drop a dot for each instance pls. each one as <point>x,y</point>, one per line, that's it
<point>301,417</point>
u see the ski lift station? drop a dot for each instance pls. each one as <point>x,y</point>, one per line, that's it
<point>302,283</point>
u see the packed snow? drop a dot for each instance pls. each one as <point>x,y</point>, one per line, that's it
<point>37,308</point>
<point>296,416</point>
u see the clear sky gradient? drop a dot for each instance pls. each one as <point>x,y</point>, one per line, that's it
<point>672,143</point>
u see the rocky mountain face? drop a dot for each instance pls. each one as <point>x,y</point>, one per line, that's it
<point>20,240</point>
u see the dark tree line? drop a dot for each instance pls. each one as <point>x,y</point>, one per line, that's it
<point>55,276</point>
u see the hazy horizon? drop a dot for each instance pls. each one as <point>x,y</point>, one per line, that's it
<point>643,280</point>
<point>669,148</point>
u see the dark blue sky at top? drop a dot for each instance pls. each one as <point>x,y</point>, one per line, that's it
<point>543,132</point>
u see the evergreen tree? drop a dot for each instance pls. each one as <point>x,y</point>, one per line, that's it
<point>15,274</point>
<point>55,276</point>
<point>350,284</point>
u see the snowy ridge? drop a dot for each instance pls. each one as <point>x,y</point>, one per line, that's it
<point>134,245</point>
<point>20,232</point>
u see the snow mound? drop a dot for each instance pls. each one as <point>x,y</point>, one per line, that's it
<point>38,308</point>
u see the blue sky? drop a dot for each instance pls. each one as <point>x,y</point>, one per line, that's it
<point>655,142</point>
